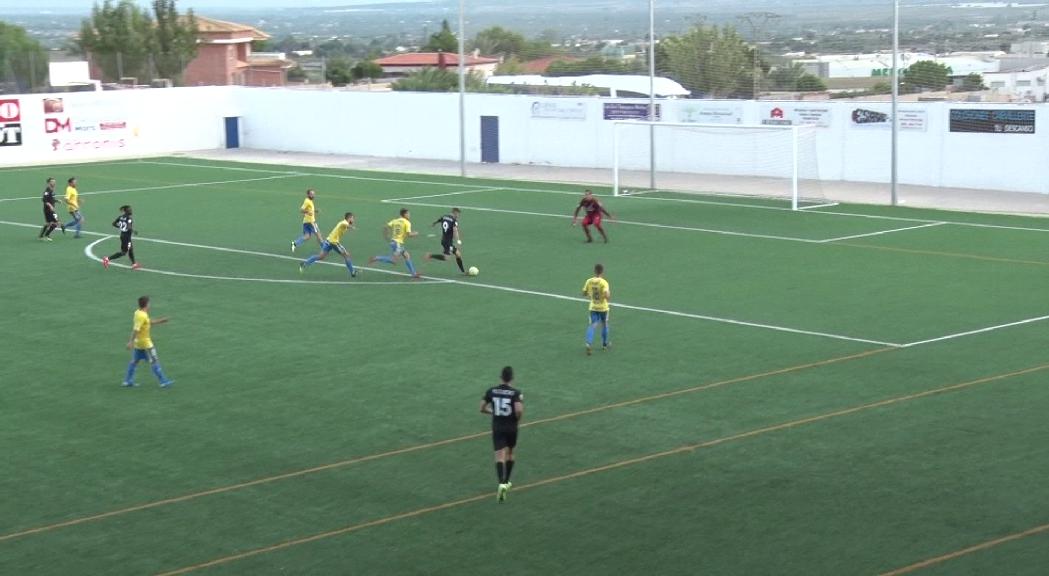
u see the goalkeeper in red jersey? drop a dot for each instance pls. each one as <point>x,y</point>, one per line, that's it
<point>593,211</point>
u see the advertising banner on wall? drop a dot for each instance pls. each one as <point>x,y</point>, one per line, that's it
<point>10,123</point>
<point>796,115</point>
<point>710,112</point>
<point>629,111</point>
<point>559,110</point>
<point>869,117</point>
<point>92,123</point>
<point>993,121</point>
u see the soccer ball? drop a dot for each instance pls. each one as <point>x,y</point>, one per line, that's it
<point>473,271</point>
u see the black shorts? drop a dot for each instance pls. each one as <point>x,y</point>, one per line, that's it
<point>450,249</point>
<point>125,243</point>
<point>504,437</point>
<point>50,217</point>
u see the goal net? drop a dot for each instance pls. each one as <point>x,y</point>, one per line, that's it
<point>772,161</point>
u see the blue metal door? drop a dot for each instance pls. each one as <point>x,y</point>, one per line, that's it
<point>232,132</point>
<point>490,139</point>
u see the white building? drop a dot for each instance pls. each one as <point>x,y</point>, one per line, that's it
<point>879,64</point>
<point>1021,84</point>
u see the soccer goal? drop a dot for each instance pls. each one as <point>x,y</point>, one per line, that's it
<point>772,161</point>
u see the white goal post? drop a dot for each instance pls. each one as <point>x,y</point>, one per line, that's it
<point>777,161</point>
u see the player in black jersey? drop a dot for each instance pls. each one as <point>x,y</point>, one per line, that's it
<point>50,218</point>
<point>126,224</point>
<point>451,243</point>
<point>506,405</point>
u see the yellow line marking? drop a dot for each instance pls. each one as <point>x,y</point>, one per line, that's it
<point>940,253</point>
<point>964,551</point>
<point>418,447</point>
<point>606,467</point>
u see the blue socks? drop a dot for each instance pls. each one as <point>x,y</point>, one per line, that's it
<point>604,334</point>
<point>349,266</point>
<point>589,335</point>
<point>310,260</point>
<point>129,377</point>
<point>298,241</point>
<point>411,267</point>
<point>385,259</point>
<point>159,372</point>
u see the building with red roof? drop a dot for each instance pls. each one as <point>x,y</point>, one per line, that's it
<point>405,64</point>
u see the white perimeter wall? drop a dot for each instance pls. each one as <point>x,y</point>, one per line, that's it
<point>425,126</point>
<point>117,124</point>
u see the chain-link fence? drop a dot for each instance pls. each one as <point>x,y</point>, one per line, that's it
<point>23,71</point>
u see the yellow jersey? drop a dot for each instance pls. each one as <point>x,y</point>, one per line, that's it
<point>400,229</point>
<point>336,233</point>
<point>141,325</point>
<point>596,289</point>
<point>309,213</point>
<point>72,200</point>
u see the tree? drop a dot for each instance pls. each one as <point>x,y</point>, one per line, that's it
<point>338,71</point>
<point>497,41</point>
<point>972,83</point>
<point>710,61</point>
<point>118,38</point>
<point>437,80</point>
<point>810,83</point>
<point>594,65</point>
<point>928,75</point>
<point>443,41</point>
<point>125,40</point>
<point>785,78</point>
<point>510,67</point>
<point>366,69</point>
<point>22,60</point>
<point>174,40</point>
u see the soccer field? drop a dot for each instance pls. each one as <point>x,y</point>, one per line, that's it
<point>846,390</point>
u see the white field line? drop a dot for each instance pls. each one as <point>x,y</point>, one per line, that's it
<point>809,210</point>
<point>163,187</point>
<point>396,200</point>
<point>628,222</point>
<point>89,252</point>
<point>509,289</point>
<point>882,232</point>
<point>977,331</point>
<point>817,206</point>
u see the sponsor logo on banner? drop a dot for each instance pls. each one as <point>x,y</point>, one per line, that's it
<point>629,111</point>
<point>10,123</point>
<point>993,121</point>
<point>54,106</point>
<point>710,113</point>
<point>112,125</point>
<point>914,119</point>
<point>76,145</point>
<point>561,110</point>
<point>797,116</point>
<point>56,125</point>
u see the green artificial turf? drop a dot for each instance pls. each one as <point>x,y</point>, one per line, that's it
<point>769,406</point>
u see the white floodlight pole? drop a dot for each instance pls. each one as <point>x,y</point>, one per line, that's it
<point>652,93</point>
<point>462,88</point>
<point>895,100</point>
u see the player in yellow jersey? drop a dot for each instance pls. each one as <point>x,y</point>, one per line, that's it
<point>141,345</point>
<point>596,290</point>
<point>334,242</point>
<point>309,221</point>
<point>73,205</point>
<point>397,232</point>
